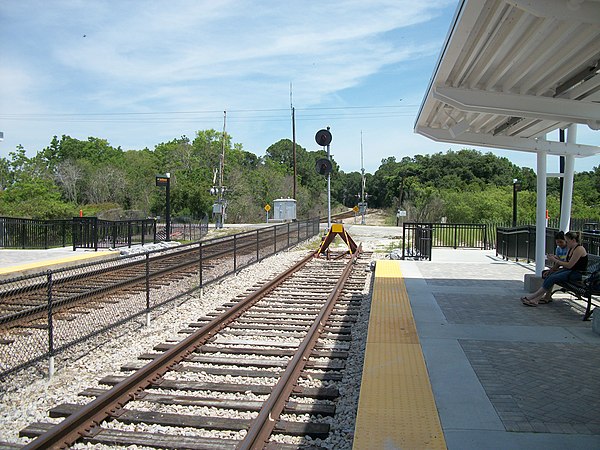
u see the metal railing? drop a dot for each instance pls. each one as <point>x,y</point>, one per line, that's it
<point>519,243</point>
<point>419,238</point>
<point>91,232</point>
<point>184,231</point>
<point>71,315</point>
<point>34,234</point>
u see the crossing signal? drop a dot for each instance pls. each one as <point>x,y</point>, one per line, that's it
<point>323,166</point>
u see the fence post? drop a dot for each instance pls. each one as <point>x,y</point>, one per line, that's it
<point>74,234</point>
<point>46,235</point>
<point>455,236</point>
<point>50,328</point>
<point>485,240</point>
<point>234,253</point>
<point>200,266</point>
<point>95,233</point>
<point>288,235</point>
<point>129,233</point>
<point>147,289</point>
<point>403,240</point>
<point>23,232</point>
<point>257,245</point>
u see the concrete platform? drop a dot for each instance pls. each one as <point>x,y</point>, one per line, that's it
<point>504,376</point>
<point>15,263</point>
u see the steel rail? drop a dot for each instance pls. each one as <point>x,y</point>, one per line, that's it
<point>136,264</point>
<point>83,422</point>
<point>262,427</point>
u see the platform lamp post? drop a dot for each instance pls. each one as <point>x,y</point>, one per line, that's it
<point>165,180</point>
<point>516,188</point>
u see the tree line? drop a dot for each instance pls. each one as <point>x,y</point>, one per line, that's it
<point>72,175</point>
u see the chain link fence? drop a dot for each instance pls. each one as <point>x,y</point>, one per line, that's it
<point>51,317</point>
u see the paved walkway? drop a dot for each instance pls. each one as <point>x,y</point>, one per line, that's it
<point>22,262</point>
<point>504,376</point>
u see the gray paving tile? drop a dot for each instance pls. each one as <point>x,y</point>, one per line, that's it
<point>504,376</point>
<point>539,378</point>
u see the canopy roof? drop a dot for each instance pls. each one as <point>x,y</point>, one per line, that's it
<point>512,71</point>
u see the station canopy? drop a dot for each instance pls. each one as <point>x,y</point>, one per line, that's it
<point>512,71</point>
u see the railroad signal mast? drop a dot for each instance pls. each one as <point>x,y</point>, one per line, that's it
<point>324,167</point>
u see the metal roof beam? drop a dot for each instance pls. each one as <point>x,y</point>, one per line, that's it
<point>510,143</point>
<point>574,10</point>
<point>535,107</point>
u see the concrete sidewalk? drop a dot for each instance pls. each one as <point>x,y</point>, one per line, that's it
<point>504,376</point>
<point>23,262</point>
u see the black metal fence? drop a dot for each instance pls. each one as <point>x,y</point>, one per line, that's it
<point>73,310</point>
<point>184,231</point>
<point>91,232</point>
<point>31,233</point>
<point>419,238</point>
<point>519,243</point>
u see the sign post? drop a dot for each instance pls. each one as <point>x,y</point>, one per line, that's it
<point>267,209</point>
<point>165,180</point>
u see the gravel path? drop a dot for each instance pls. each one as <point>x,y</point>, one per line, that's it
<point>26,397</point>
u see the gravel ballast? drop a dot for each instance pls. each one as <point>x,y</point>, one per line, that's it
<point>26,397</point>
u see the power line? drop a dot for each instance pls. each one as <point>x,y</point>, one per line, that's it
<point>155,113</point>
<point>272,115</point>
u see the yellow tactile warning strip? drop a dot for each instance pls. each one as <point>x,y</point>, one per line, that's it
<point>396,408</point>
<point>38,266</point>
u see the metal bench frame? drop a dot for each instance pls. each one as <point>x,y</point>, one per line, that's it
<point>583,289</point>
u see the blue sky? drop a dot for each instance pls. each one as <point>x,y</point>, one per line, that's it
<point>141,73</point>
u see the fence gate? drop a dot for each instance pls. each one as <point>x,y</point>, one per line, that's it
<point>417,240</point>
<point>85,232</point>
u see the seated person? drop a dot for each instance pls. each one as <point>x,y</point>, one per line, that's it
<point>561,253</point>
<point>571,270</point>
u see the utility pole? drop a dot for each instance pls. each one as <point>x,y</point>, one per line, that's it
<point>219,190</point>
<point>363,205</point>
<point>222,161</point>
<point>293,139</point>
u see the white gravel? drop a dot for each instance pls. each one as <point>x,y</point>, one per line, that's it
<point>26,397</point>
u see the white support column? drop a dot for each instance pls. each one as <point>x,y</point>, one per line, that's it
<point>540,214</point>
<point>567,196</point>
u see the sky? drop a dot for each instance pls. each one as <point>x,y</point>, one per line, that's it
<point>139,73</point>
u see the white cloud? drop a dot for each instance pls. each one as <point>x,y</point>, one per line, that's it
<point>205,55</point>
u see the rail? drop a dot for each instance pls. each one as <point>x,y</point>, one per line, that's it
<point>46,313</point>
<point>88,418</point>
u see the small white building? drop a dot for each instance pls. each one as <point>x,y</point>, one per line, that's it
<point>284,209</point>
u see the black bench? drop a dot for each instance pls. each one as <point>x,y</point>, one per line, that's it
<point>583,289</point>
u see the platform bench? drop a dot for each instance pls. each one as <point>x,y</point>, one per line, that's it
<point>583,289</point>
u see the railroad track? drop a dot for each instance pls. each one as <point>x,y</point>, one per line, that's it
<point>24,301</point>
<point>258,373</point>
